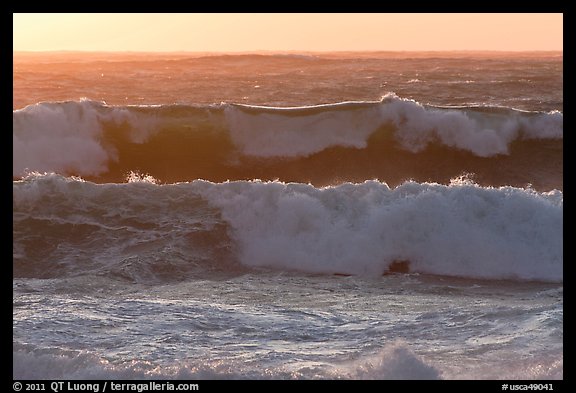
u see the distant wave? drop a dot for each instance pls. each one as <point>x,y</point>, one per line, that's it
<point>146,232</point>
<point>233,141</point>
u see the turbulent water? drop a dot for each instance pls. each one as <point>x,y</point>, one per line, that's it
<point>335,216</point>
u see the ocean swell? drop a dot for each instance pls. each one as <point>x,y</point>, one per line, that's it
<point>232,141</point>
<point>153,233</point>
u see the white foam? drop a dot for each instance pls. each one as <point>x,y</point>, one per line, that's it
<point>66,137</point>
<point>279,134</point>
<point>418,126</point>
<point>483,133</point>
<point>58,137</point>
<point>291,132</point>
<point>394,362</point>
<point>544,126</point>
<point>459,230</point>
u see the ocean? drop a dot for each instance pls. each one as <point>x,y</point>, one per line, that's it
<point>288,216</point>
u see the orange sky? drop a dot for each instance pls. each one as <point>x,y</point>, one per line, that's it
<point>285,32</point>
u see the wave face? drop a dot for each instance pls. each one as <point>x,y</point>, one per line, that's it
<point>393,139</point>
<point>147,232</point>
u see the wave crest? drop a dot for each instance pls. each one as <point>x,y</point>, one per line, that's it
<point>156,233</point>
<point>233,141</point>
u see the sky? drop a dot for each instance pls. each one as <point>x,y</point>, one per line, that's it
<point>287,32</point>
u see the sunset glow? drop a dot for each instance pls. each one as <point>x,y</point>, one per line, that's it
<point>287,32</point>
